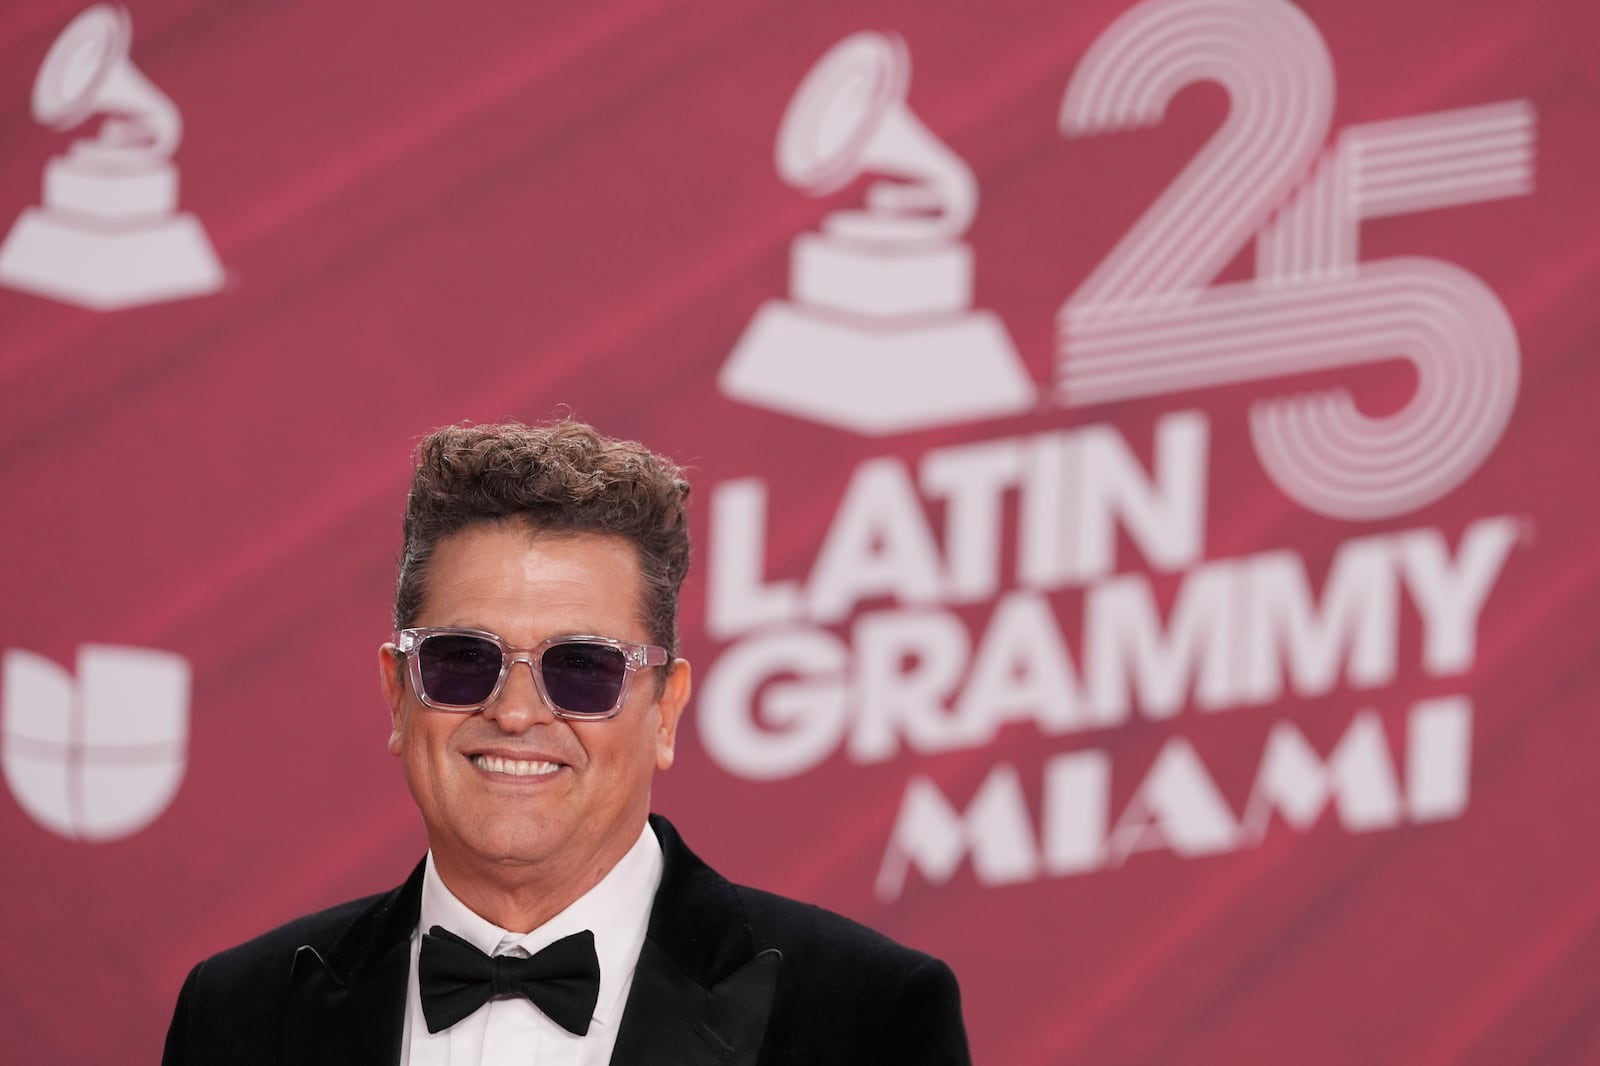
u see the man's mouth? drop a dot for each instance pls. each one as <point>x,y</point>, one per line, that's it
<point>514,767</point>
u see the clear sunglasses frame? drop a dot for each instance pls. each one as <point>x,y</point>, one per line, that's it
<point>635,657</point>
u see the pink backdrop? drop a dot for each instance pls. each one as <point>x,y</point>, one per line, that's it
<point>515,210</point>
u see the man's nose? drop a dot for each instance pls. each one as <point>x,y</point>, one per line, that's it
<point>519,706</point>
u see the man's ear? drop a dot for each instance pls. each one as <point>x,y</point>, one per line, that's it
<point>391,675</point>
<point>674,697</point>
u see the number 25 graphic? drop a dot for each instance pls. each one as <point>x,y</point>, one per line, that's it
<point>1147,321</point>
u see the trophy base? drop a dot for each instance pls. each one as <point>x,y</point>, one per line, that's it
<point>877,378</point>
<point>68,258</point>
<point>124,193</point>
<point>880,282</point>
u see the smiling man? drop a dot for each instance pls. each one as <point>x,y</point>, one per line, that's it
<point>534,690</point>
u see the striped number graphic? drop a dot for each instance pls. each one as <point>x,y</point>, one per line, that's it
<point>1148,322</point>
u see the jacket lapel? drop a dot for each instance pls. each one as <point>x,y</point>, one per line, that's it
<point>347,1004</point>
<point>701,994</point>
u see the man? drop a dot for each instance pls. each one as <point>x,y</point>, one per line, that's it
<point>534,691</point>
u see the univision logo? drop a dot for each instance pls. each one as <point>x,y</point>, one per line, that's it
<point>99,756</point>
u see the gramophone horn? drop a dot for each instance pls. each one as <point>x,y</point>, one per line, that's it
<point>838,108</point>
<point>849,117</point>
<point>88,71</point>
<point>78,64</point>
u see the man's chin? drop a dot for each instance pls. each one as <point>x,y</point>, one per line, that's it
<point>497,840</point>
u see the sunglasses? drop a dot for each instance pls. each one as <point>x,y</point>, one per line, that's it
<point>577,677</point>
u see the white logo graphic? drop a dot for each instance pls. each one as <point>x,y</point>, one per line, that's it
<point>100,757</point>
<point>109,234</point>
<point>1059,581</point>
<point>1147,321</point>
<point>880,336</point>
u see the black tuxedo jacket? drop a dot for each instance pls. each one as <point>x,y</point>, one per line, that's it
<point>729,976</point>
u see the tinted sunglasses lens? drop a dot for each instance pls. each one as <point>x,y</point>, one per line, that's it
<point>584,678</point>
<point>458,671</point>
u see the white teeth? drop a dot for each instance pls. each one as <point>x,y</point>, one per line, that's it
<point>495,764</point>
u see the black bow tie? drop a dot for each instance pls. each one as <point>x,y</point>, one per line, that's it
<point>456,979</point>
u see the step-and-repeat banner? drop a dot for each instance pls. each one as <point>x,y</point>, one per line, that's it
<point>1144,452</point>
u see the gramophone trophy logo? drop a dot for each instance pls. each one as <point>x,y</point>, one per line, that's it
<point>109,234</point>
<point>881,297</point>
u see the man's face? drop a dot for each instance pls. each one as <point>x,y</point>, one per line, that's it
<point>572,820</point>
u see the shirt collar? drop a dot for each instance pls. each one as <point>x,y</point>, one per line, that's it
<point>617,909</point>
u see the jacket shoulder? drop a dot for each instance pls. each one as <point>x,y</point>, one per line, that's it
<point>269,955</point>
<point>845,994</point>
<point>232,1005</point>
<point>803,930</point>
<point>851,994</point>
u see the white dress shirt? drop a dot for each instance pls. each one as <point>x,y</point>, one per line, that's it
<point>513,1030</point>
